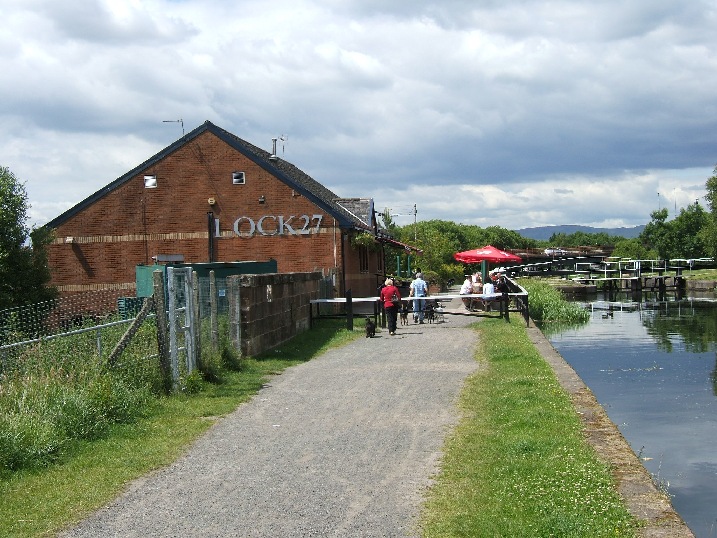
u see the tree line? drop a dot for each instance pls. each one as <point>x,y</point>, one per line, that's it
<point>690,234</point>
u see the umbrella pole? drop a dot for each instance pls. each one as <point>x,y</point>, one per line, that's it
<point>484,270</point>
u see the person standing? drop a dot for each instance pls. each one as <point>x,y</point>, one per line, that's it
<point>419,289</point>
<point>390,298</point>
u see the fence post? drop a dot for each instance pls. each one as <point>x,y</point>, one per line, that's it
<point>349,311</point>
<point>213,308</point>
<point>234,298</point>
<point>162,335</point>
<point>505,302</point>
<point>129,334</point>
<point>197,319</point>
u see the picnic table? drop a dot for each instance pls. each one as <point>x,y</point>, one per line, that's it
<point>377,310</point>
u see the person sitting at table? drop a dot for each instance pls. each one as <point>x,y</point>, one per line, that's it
<point>477,283</point>
<point>488,289</point>
<point>467,289</point>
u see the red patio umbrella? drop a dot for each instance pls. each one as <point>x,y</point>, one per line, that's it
<point>488,253</point>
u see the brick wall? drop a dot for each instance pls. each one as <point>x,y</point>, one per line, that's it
<point>127,226</point>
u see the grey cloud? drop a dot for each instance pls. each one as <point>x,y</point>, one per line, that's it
<point>95,22</point>
<point>375,94</point>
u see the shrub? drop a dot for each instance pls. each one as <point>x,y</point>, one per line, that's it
<point>191,383</point>
<point>545,304</point>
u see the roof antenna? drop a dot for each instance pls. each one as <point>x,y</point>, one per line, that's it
<point>283,138</point>
<point>180,120</point>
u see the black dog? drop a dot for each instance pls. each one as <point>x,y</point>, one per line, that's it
<point>429,312</point>
<point>370,328</point>
<point>404,313</point>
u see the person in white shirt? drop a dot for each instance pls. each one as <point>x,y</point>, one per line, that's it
<point>419,289</point>
<point>467,289</point>
<point>488,289</point>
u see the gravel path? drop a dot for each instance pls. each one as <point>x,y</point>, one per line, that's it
<point>343,445</point>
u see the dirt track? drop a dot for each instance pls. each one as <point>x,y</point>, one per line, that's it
<point>343,445</point>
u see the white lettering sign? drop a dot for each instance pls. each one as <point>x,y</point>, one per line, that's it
<point>274,225</point>
<point>237,227</point>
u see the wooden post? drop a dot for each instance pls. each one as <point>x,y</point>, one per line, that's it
<point>133,328</point>
<point>160,312</point>
<point>349,311</point>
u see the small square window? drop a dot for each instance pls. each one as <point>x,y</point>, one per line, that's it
<point>238,178</point>
<point>150,182</point>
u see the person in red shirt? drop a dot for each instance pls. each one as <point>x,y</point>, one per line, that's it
<point>390,298</point>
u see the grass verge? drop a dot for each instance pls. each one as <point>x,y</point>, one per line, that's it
<point>700,274</point>
<point>517,464</point>
<point>41,501</point>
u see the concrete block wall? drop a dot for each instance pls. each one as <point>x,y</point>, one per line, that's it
<point>274,308</point>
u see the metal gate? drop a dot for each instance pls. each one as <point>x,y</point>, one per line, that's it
<point>182,325</point>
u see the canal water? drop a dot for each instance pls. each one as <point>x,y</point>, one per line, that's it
<point>653,366</point>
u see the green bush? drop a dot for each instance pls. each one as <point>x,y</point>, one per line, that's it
<point>191,383</point>
<point>547,304</point>
<point>232,359</point>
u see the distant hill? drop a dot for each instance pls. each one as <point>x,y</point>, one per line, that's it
<point>543,233</point>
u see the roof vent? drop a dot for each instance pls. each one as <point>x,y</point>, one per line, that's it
<point>273,157</point>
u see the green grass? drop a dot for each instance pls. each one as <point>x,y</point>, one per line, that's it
<point>700,274</point>
<point>86,474</point>
<point>547,304</point>
<point>517,464</point>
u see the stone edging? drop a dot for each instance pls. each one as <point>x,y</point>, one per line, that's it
<point>635,484</point>
<point>701,285</point>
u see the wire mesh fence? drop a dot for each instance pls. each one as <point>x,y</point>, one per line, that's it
<point>204,316</point>
<point>93,322</point>
<point>32,343</point>
<point>68,326</point>
<point>64,314</point>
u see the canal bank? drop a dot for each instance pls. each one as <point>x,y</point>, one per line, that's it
<point>644,500</point>
<point>572,288</point>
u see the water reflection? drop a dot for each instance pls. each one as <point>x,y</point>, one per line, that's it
<point>653,367</point>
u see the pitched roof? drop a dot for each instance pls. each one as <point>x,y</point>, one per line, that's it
<point>292,176</point>
<point>359,208</point>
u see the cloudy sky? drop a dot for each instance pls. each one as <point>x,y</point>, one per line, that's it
<point>514,113</point>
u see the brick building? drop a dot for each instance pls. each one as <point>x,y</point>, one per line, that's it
<point>213,197</point>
